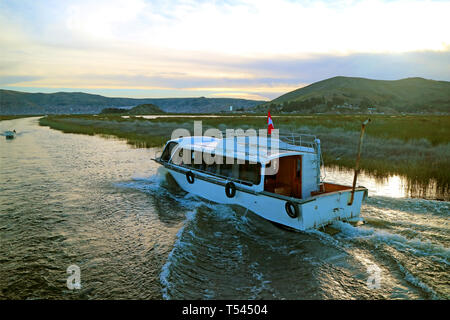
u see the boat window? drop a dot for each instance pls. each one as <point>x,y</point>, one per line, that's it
<point>247,173</point>
<point>226,170</point>
<point>211,168</point>
<point>250,172</point>
<point>167,153</point>
<point>186,157</point>
<point>197,160</point>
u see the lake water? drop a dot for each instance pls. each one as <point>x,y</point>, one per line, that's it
<point>97,203</point>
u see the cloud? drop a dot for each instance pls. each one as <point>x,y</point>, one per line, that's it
<point>246,47</point>
<point>276,71</point>
<point>246,27</point>
<point>382,66</point>
<point>11,80</point>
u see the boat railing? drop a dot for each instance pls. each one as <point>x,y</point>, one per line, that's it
<point>291,140</point>
<point>299,139</point>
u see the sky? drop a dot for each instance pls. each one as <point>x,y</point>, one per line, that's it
<point>253,49</point>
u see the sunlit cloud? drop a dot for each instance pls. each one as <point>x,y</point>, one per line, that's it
<point>253,48</point>
<point>240,95</point>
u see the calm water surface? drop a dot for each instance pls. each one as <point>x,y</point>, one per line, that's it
<point>73,199</point>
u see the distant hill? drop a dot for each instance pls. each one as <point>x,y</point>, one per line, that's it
<point>145,109</point>
<point>141,109</point>
<point>350,95</point>
<point>16,102</point>
<point>114,110</point>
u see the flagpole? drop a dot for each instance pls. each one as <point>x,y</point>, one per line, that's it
<point>363,127</point>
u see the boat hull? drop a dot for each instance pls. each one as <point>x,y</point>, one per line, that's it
<point>313,212</point>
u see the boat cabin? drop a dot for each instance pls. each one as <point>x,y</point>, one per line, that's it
<point>291,170</point>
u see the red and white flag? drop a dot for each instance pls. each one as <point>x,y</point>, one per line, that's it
<point>269,123</point>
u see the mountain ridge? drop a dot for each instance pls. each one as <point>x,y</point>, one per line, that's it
<point>355,94</point>
<point>18,102</point>
<point>338,94</point>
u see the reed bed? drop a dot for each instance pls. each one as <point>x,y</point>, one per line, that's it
<point>415,146</point>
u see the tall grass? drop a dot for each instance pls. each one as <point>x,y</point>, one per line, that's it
<point>415,146</point>
<point>145,139</point>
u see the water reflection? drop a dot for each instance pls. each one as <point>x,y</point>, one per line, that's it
<point>394,186</point>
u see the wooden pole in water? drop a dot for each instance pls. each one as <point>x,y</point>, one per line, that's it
<point>363,127</point>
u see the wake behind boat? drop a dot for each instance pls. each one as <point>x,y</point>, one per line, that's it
<point>277,178</point>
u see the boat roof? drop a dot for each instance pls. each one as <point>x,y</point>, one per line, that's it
<point>243,147</point>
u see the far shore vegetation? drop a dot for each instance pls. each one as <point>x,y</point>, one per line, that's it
<point>141,109</point>
<point>417,146</point>
<point>12,117</point>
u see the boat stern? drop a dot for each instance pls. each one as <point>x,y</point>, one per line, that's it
<point>326,208</point>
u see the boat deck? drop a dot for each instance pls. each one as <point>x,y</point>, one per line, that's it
<point>330,187</point>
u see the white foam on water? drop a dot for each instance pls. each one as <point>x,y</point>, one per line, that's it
<point>416,282</point>
<point>179,244</point>
<point>220,212</point>
<point>410,205</point>
<point>208,294</point>
<point>239,253</point>
<point>264,285</point>
<point>416,246</point>
<point>155,185</point>
<point>152,183</point>
<point>294,252</point>
<point>324,237</point>
<point>194,203</point>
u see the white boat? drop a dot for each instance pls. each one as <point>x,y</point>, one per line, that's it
<point>284,186</point>
<point>10,134</point>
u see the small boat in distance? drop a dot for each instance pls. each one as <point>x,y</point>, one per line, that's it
<point>284,186</point>
<point>10,134</point>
